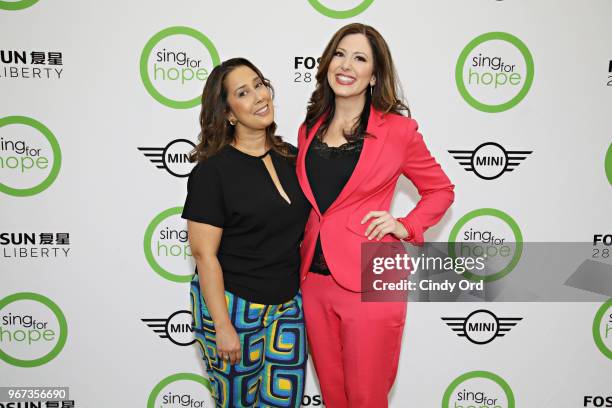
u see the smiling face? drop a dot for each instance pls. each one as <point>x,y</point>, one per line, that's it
<point>249,99</point>
<point>351,68</point>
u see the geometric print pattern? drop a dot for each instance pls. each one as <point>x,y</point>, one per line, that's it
<point>272,369</point>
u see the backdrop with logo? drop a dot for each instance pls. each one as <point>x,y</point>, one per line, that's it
<point>100,104</point>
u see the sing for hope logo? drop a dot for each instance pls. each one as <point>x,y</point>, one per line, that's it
<point>166,246</point>
<point>602,329</point>
<point>30,156</point>
<point>33,329</point>
<point>17,5</point>
<point>494,72</point>
<point>489,233</point>
<point>482,389</point>
<point>181,390</point>
<point>329,9</point>
<point>175,64</point>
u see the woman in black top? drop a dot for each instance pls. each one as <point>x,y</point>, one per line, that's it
<point>246,215</point>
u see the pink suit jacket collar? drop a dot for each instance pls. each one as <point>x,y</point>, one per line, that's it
<point>372,147</point>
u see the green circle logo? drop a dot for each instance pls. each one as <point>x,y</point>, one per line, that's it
<point>608,164</point>
<point>491,212</point>
<point>478,374</point>
<point>598,322</point>
<point>61,341</point>
<point>17,156</point>
<point>491,85</point>
<point>340,14</point>
<point>174,378</point>
<point>177,68</point>
<point>17,5</point>
<point>169,245</point>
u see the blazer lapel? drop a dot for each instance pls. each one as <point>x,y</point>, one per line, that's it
<point>372,146</point>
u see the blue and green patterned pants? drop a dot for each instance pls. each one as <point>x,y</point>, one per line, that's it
<point>271,372</point>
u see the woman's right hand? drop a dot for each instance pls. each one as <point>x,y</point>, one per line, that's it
<point>228,343</point>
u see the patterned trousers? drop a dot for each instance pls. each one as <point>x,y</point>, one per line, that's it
<point>272,370</point>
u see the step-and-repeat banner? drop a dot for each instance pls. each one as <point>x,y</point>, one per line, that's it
<point>99,107</point>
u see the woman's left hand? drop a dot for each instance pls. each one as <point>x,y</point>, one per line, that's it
<point>382,224</point>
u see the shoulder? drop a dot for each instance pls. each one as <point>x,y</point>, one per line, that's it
<point>301,133</point>
<point>211,167</point>
<point>291,149</point>
<point>400,123</point>
<point>401,130</point>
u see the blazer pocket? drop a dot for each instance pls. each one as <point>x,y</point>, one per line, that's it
<point>353,222</point>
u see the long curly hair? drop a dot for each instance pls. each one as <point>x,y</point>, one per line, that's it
<point>215,130</point>
<point>385,95</point>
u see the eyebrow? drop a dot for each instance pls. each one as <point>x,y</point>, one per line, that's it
<point>257,78</point>
<point>356,52</point>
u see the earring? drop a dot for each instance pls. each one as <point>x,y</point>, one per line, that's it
<point>232,122</point>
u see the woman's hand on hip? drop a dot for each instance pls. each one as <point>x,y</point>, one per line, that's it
<point>382,224</point>
<point>228,344</point>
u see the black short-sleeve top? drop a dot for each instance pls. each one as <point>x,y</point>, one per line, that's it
<point>259,249</point>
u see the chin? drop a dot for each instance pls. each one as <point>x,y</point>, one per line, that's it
<point>346,93</point>
<point>264,123</point>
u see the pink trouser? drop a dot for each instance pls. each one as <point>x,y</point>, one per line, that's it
<point>355,345</point>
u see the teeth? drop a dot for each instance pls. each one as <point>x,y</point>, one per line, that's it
<point>262,110</point>
<point>343,78</point>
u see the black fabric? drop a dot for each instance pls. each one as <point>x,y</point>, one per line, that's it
<point>328,170</point>
<point>259,249</point>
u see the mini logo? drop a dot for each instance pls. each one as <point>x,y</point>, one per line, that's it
<point>481,326</point>
<point>30,157</point>
<point>490,160</point>
<point>17,5</point>
<point>181,390</point>
<point>33,329</point>
<point>482,389</point>
<point>359,8</point>
<point>175,64</point>
<point>35,245</point>
<point>174,158</point>
<point>25,64</point>
<point>494,72</point>
<point>176,328</point>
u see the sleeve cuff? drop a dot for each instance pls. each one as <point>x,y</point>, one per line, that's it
<point>415,231</point>
<point>203,220</point>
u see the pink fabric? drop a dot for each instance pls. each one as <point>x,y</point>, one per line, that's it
<point>395,148</point>
<point>354,345</point>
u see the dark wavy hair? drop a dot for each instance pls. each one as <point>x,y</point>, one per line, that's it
<point>385,95</point>
<point>215,130</point>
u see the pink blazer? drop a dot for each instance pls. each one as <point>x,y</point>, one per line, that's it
<point>395,148</point>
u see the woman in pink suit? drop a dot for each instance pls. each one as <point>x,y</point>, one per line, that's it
<point>356,141</point>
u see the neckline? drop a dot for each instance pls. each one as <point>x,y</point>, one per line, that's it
<point>344,145</point>
<point>250,156</point>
